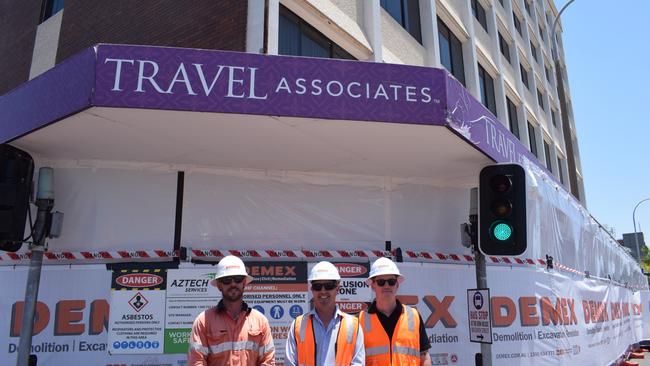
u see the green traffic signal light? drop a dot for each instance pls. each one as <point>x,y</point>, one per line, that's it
<point>501,231</point>
<point>502,210</point>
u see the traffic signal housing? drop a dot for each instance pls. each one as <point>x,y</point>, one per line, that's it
<point>502,210</point>
<point>16,171</point>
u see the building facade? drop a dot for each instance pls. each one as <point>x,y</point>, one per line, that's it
<point>171,151</point>
<point>500,50</point>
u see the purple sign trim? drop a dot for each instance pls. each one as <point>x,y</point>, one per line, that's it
<point>476,124</point>
<point>231,82</point>
<point>59,92</point>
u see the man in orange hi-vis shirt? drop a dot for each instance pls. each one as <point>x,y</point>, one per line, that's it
<point>231,333</point>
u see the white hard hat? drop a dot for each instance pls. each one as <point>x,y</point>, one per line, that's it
<point>231,266</point>
<point>384,266</point>
<point>324,271</point>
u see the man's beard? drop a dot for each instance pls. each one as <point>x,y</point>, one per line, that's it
<point>232,295</point>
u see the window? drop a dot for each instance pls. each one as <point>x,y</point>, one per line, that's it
<point>541,33</point>
<point>512,118</point>
<point>531,139</point>
<point>451,52</point>
<point>540,99</point>
<point>298,38</point>
<point>406,13</point>
<point>527,6</point>
<point>548,74</point>
<point>517,22</point>
<point>533,50</point>
<point>547,155</point>
<point>554,117</point>
<point>501,2</point>
<point>49,8</point>
<point>479,13</point>
<point>524,76</point>
<point>505,47</point>
<point>560,170</point>
<point>486,86</point>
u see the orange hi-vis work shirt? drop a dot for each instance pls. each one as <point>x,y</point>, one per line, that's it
<point>219,340</point>
<point>402,350</point>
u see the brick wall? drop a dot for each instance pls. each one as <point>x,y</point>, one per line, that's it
<point>18,22</point>
<point>209,24</point>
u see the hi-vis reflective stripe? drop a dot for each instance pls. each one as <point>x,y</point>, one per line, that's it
<point>367,327</point>
<point>374,351</point>
<point>303,328</point>
<point>349,331</point>
<point>409,318</point>
<point>266,349</point>
<point>406,351</point>
<point>200,348</point>
<point>235,346</point>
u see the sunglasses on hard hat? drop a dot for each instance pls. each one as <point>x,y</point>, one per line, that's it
<point>329,286</point>
<point>228,280</point>
<point>382,282</point>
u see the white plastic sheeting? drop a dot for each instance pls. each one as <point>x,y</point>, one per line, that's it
<point>113,207</point>
<point>131,206</point>
<point>290,211</point>
<point>560,227</point>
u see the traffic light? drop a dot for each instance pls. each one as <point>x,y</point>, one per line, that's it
<point>502,210</point>
<point>16,171</point>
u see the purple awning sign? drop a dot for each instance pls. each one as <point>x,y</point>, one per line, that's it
<point>64,90</point>
<point>127,76</point>
<point>476,124</point>
<point>231,82</point>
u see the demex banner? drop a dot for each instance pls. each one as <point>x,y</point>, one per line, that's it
<point>88,315</point>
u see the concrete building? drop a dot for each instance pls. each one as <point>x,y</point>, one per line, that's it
<point>630,241</point>
<point>170,152</point>
<point>500,50</point>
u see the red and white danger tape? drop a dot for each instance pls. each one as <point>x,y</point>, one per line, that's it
<point>208,254</point>
<point>564,268</point>
<point>8,258</point>
<point>362,255</point>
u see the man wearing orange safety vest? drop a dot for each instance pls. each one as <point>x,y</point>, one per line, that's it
<point>394,334</point>
<point>325,336</point>
<point>231,334</point>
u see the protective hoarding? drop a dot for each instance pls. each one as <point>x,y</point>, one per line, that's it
<point>542,318</point>
<point>72,318</point>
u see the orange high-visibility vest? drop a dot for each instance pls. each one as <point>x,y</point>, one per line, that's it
<point>346,341</point>
<point>402,350</point>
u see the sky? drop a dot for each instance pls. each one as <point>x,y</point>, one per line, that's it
<point>608,61</point>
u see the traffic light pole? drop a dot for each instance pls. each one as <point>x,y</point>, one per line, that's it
<point>481,283</point>
<point>485,357</point>
<point>33,280</point>
<point>42,226</point>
